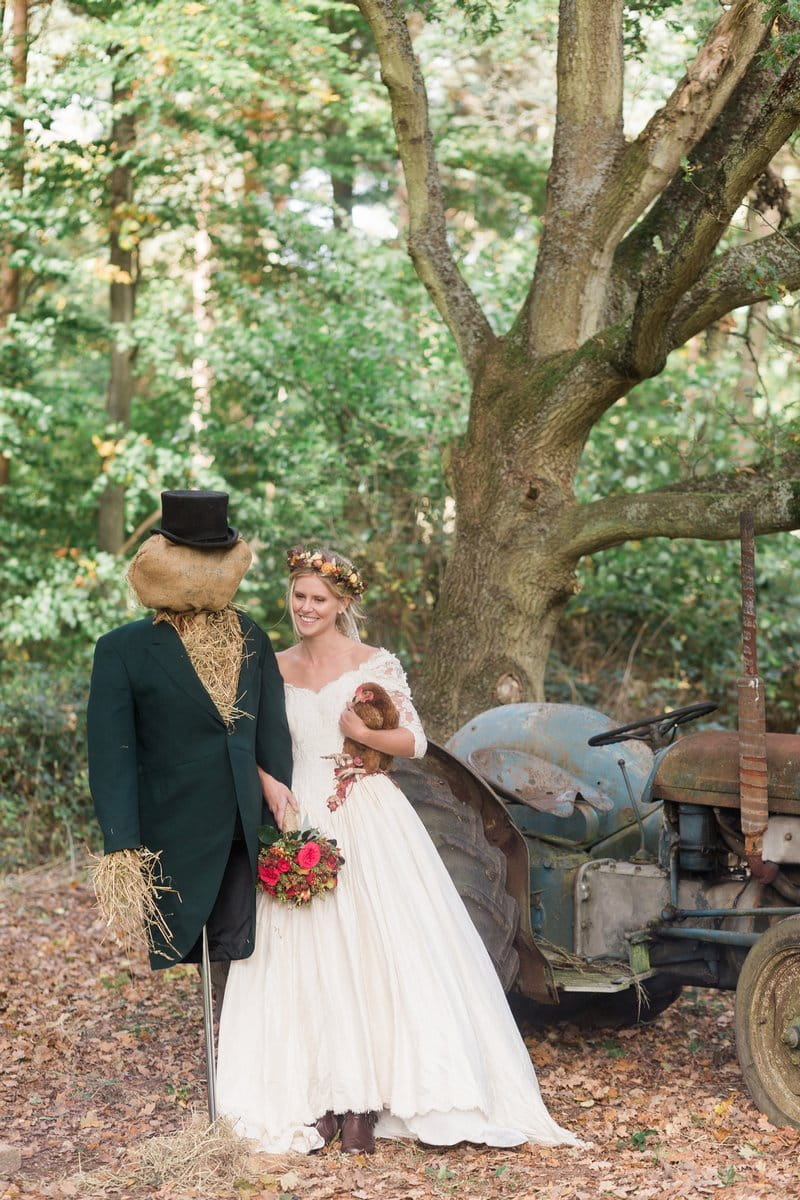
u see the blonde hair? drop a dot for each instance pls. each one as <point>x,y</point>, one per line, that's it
<point>347,620</point>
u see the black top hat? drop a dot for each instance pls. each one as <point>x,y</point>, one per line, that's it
<point>198,519</point>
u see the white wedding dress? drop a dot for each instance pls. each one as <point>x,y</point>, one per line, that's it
<point>379,996</point>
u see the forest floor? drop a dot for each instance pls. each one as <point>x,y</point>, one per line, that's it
<point>100,1056</point>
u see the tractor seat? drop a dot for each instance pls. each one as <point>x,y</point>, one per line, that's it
<point>703,768</point>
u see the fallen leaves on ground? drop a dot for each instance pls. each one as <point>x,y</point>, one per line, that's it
<point>101,1056</point>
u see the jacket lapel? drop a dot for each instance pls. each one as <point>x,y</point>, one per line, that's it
<point>167,649</point>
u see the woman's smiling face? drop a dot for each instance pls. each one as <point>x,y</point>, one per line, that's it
<point>314,606</point>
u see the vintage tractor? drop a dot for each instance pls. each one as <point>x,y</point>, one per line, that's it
<point>607,867</point>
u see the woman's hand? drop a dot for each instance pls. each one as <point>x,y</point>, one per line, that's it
<point>278,797</point>
<point>351,724</point>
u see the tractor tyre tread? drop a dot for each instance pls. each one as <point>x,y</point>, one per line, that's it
<point>477,868</point>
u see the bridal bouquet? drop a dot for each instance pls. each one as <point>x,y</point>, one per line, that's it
<point>297,865</point>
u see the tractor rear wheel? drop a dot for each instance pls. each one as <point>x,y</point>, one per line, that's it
<point>767,1022</point>
<point>604,1010</point>
<point>477,868</point>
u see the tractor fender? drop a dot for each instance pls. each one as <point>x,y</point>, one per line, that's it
<point>443,776</point>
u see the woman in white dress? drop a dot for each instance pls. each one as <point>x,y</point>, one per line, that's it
<point>374,1011</point>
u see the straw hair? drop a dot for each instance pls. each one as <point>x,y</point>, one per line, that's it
<point>127,884</point>
<point>199,1159</point>
<point>198,1156</point>
<point>215,644</point>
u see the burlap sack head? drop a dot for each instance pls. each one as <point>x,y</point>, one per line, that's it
<point>184,579</point>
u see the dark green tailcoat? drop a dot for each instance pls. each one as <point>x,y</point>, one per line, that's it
<point>167,773</point>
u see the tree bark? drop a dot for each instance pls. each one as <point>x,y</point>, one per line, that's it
<point>706,219</point>
<point>662,225</point>
<point>9,274</point>
<point>588,145</point>
<point>202,373</point>
<point>123,271</point>
<point>742,276</point>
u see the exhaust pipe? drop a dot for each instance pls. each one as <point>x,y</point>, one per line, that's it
<point>753,791</point>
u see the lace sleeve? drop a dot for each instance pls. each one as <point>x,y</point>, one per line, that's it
<point>386,670</point>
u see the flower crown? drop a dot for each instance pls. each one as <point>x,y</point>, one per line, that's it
<point>334,569</point>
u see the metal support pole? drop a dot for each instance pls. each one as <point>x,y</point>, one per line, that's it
<point>726,937</point>
<point>208,1029</point>
<point>641,854</point>
<point>683,914</point>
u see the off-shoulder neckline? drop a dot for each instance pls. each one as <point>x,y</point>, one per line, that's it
<point>353,671</point>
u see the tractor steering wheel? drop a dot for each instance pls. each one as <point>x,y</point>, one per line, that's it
<point>666,723</point>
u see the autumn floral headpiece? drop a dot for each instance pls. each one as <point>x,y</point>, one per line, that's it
<point>329,566</point>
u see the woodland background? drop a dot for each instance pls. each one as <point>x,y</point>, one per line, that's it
<point>204,283</point>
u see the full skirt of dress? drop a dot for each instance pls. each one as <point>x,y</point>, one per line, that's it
<point>379,996</point>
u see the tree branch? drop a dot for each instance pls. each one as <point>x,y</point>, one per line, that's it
<point>427,236</point>
<point>560,309</point>
<point>679,269</point>
<point>710,512</point>
<point>662,225</point>
<point>740,277</point>
<point>655,156</point>
<point>584,384</point>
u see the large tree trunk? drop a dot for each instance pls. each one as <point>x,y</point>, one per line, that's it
<point>9,275</point>
<point>123,263</point>
<point>510,572</point>
<point>498,611</point>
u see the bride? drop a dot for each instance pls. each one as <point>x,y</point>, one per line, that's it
<point>373,1011</point>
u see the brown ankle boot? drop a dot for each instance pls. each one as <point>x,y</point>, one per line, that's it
<point>357,1135</point>
<point>327,1127</point>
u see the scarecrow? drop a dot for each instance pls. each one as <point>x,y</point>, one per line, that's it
<point>185,707</point>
